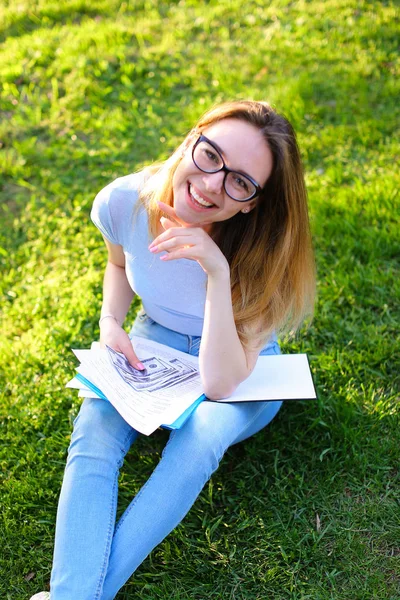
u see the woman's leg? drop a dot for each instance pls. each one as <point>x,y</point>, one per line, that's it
<point>88,500</point>
<point>88,552</point>
<point>191,455</point>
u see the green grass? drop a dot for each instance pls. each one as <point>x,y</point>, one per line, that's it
<point>309,508</point>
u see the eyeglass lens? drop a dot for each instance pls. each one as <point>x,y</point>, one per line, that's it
<point>207,159</point>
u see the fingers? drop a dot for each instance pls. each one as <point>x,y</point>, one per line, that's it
<point>184,252</point>
<point>179,232</point>
<point>168,243</point>
<point>170,211</point>
<point>127,349</point>
<point>112,335</point>
<point>179,242</point>
<point>167,223</point>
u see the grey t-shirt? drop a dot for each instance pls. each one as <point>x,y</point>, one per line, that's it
<point>173,293</point>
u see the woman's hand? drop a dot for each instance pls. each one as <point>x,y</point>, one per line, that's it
<point>112,335</point>
<point>181,240</point>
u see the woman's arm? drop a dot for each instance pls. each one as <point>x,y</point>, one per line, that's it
<point>117,293</point>
<point>224,363</point>
<point>117,298</point>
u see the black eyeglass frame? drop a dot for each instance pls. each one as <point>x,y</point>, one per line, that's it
<point>258,190</point>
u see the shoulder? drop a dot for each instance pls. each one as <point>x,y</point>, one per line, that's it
<point>113,206</point>
<point>124,189</point>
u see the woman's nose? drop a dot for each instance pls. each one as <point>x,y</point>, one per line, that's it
<point>214,182</point>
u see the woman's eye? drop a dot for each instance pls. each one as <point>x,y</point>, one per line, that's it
<point>241,183</point>
<point>212,156</point>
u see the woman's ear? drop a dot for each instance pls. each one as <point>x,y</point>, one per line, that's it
<point>248,208</point>
<point>188,140</point>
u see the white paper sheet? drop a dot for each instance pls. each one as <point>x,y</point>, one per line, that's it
<point>154,400</point>
<point>277,377</point>
<point>172,382</point>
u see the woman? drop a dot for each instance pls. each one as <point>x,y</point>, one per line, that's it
<point>216,243</point>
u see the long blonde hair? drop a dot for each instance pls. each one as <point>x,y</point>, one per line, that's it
<point>269,249</point>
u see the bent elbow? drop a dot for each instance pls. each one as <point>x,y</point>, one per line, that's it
<point>217,392</point>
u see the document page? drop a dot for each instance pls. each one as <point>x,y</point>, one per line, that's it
<point>171,382</point>
<point>84,391</point>
<point>145,399</point>
<point>277,377</point>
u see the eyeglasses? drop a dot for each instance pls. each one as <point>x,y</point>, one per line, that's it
<point>237,185</point>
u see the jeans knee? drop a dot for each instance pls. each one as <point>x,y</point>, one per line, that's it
<point>100,434</point>
<point>199,450</point>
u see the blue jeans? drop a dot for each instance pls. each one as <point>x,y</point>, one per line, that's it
<point>94,556</point>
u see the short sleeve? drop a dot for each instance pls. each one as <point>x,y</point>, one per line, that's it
<point>112,210</point>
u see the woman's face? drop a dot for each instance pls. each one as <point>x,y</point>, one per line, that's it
<point>243,149</point>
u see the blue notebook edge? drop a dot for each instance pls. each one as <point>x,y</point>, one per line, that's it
<point>177,424</point>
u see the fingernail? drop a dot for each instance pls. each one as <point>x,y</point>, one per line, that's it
<point>164,257</point>
<point>140,366</point>
<point>153,248</point>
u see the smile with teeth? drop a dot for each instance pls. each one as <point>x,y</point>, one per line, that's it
<point>199,199</point>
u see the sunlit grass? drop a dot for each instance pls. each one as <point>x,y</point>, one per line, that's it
<point>308,509</point>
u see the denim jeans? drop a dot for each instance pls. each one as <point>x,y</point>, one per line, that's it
<point>94,556</point>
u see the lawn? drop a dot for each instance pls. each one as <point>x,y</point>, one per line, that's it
<point>308,508</point>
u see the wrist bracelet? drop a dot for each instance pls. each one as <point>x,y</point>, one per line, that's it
<point>108,316</point>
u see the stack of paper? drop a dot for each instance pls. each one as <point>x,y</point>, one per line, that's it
<point>165,394</point>
<point>170,388</point>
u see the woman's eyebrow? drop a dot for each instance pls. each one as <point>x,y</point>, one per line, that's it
<point>224,155</point>
<point>216,146</point>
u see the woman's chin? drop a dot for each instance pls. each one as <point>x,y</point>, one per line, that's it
<point>184,217</point>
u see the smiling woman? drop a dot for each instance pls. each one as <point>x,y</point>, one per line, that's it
<point>263,234</point>
<point>207,157</point>
<point>216,243</point>
<point>204,172</point>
